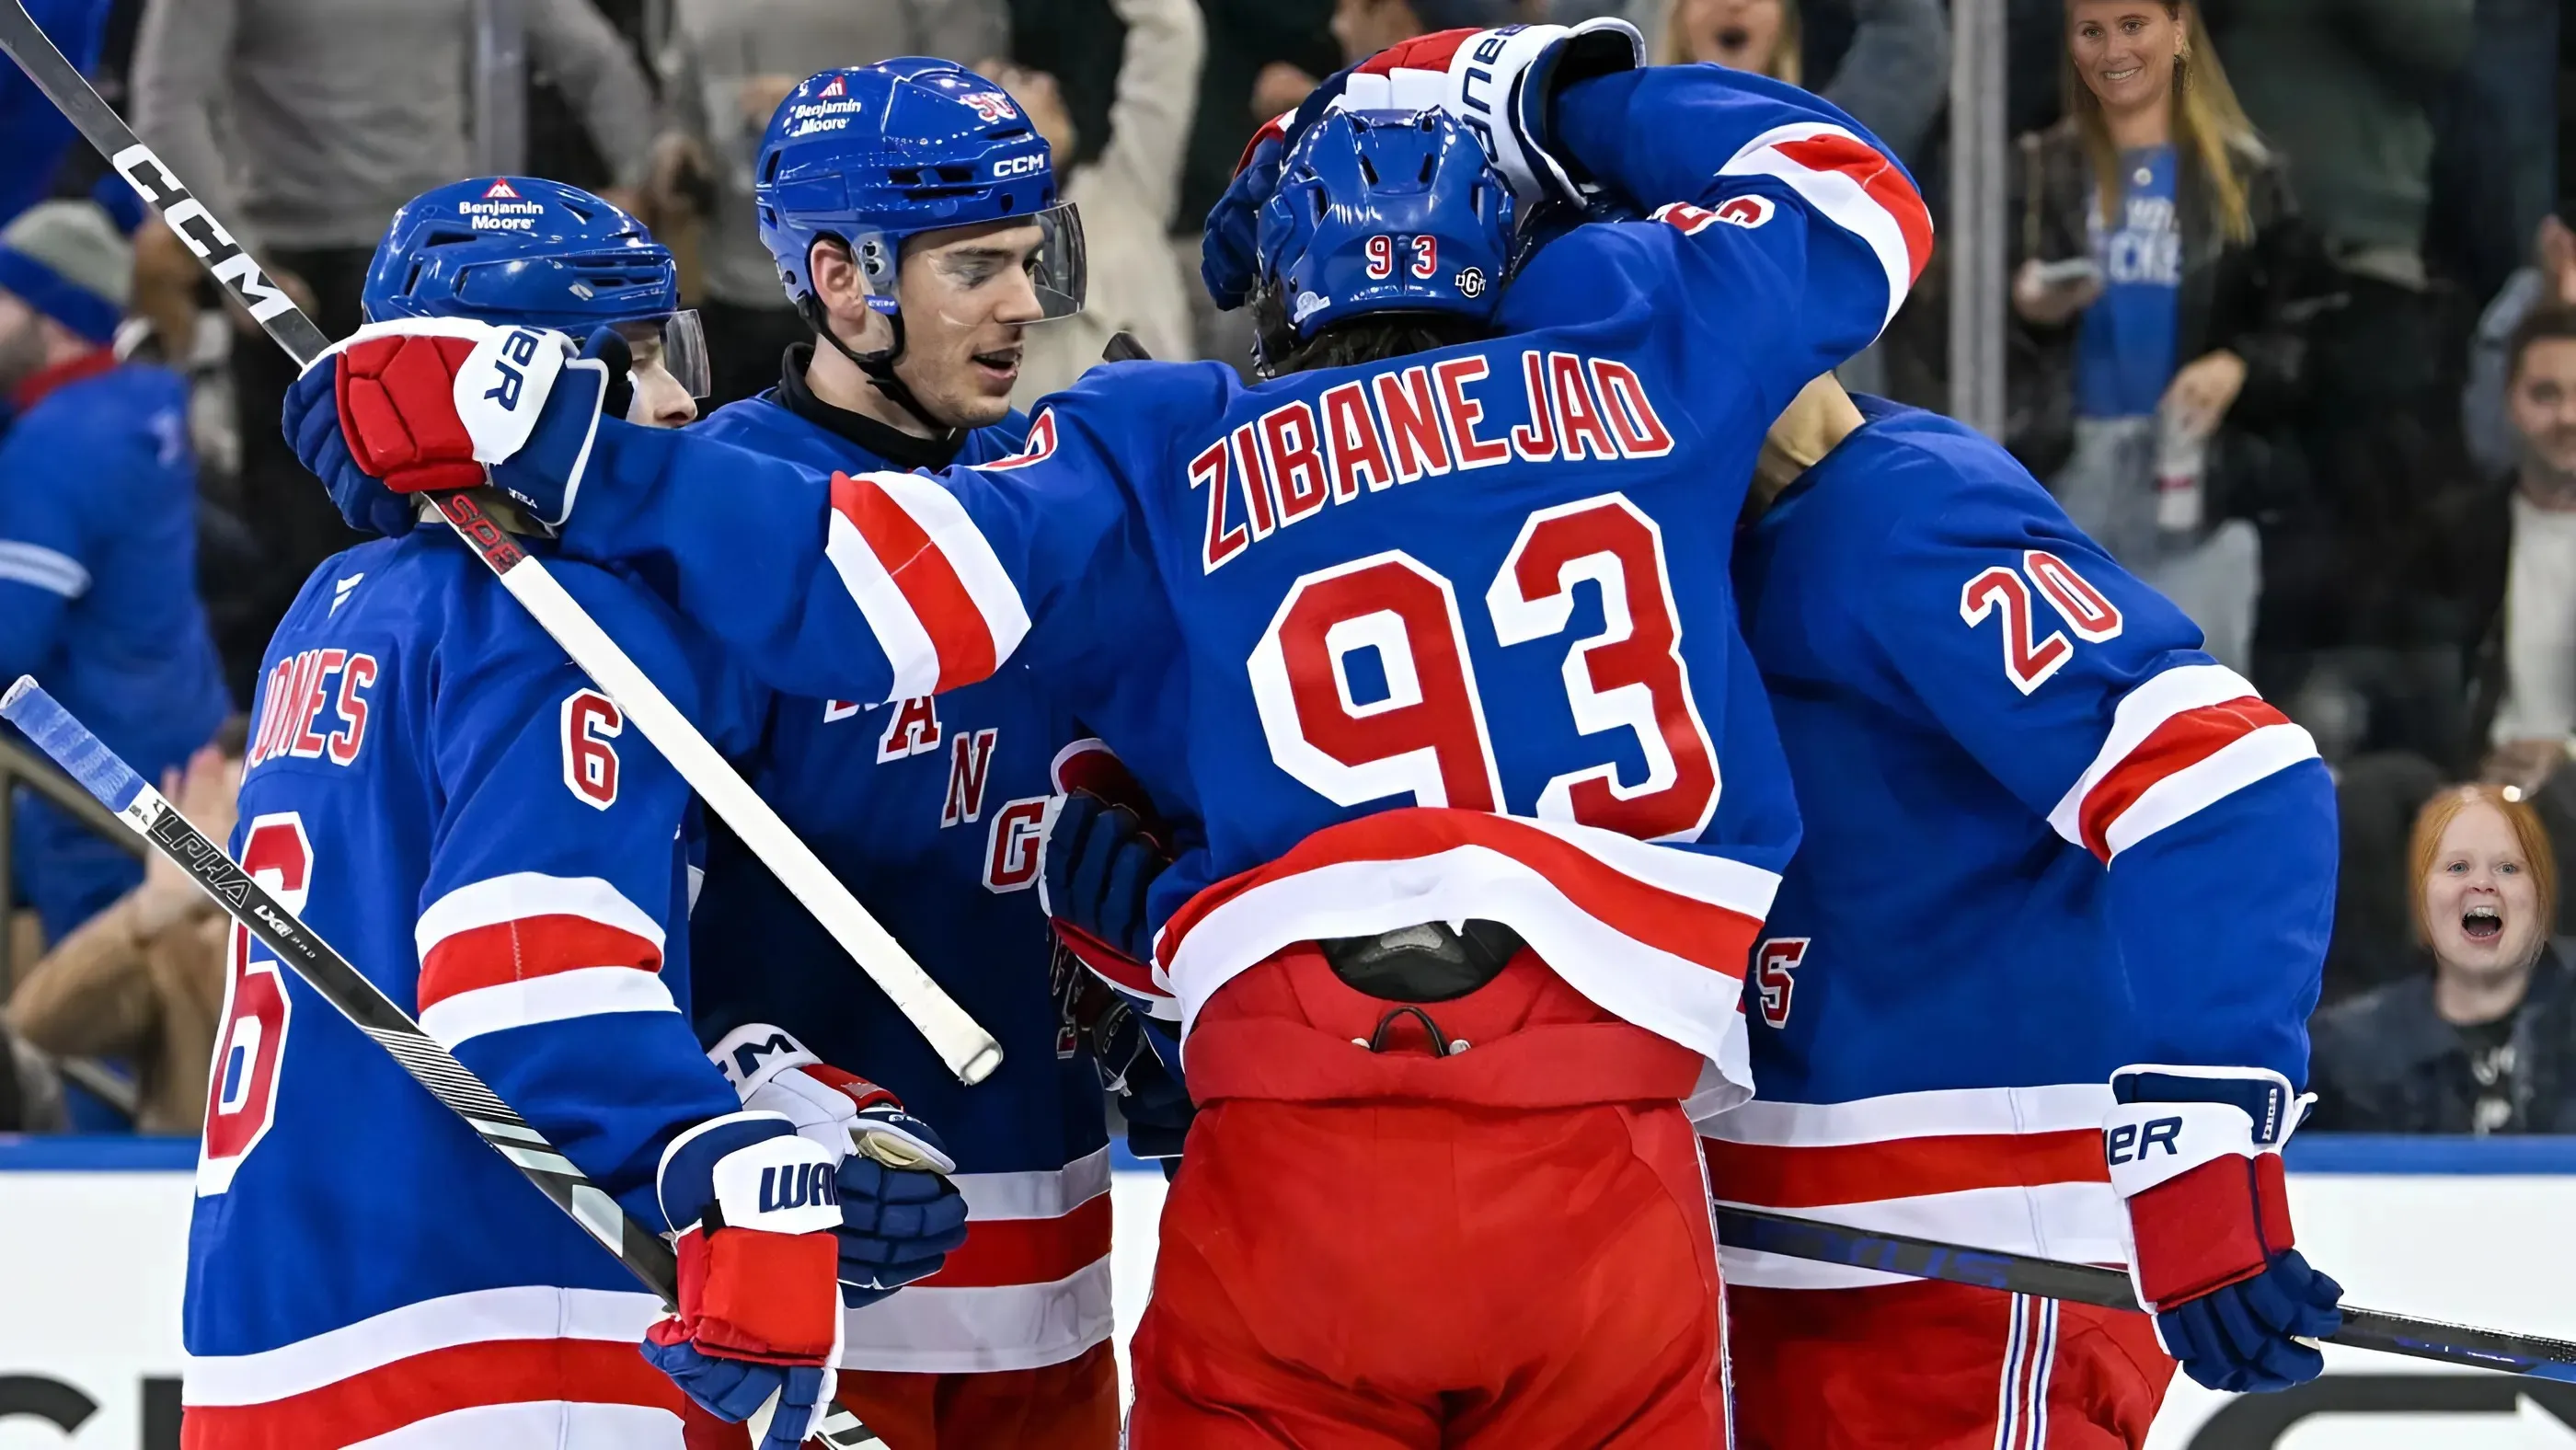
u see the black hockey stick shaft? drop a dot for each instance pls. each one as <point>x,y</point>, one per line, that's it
<point>968,1050</point>
<point>1762,1231</point>
<point>350,993</point>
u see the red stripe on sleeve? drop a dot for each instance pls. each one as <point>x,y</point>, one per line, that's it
<point>388,1397</point>
<point>1883,179</point>
<point>1003,1251</point>
<point>1778,1176</point>
<point>2175,746</point>
<point>532,946</point>
<point>928,582</point>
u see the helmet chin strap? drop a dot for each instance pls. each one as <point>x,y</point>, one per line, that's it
<point>879,366</point>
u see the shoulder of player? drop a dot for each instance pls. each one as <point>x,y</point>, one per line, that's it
<point>1931,478</point>
<point>1141,399</point>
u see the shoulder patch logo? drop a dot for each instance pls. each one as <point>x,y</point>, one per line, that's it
<point>340,591</point>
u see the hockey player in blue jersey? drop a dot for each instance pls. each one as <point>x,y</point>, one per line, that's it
<point>436,788</point>
<point>2039,976</point>
<point>1394,639</point>
<point>920,291</point>
<point>2199,987</point>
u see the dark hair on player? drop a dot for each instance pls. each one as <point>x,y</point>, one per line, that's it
<point>1369,338</point>
<point>2551,323</point>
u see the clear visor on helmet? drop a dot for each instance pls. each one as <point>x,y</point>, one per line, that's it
<point>676,344</point>
<point>1045,248</point>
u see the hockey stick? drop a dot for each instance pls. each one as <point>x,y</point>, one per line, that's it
<point>967,1049</point>
<point>1761,1231</point>
<point>352,995</point>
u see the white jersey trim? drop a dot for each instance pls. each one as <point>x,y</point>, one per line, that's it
<point>1940,1112</point>
<point>1043,1193</point>
<point>531,1311</point>
<point>1692,1004</point>
<point>2234,766</point>
<point>523,894</point>
<point>2154,701</point>
<point>38,567</point>
<point>554,997</point>
<point>930,1330</point>
<point>898,630</point>
<point>1837,196</point>
<point>2075,1222</point>
<point>953,533</point>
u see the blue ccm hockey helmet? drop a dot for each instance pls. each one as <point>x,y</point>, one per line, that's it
<point>515,250</point>
<point>873,154</point>
<point>1385,211</point>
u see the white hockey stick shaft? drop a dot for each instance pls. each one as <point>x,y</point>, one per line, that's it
<point>969,1051</point>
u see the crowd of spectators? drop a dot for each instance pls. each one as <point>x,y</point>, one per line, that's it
<point>2292,332</point>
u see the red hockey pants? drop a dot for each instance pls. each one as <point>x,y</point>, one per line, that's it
<point>1930,1366</point>
<point>1348,1276</point>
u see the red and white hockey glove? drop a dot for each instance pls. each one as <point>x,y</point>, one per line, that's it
<point>435,404</point>
<point>758,1327</point>
<point>1501,84</point>
<point>900,1217</point>
<point>2195,1156</point>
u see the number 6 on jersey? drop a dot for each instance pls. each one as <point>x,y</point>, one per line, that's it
<point>1423,730</point>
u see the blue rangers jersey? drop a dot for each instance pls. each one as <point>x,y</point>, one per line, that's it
<point>932,810</point>
<point>1406,641</point>
<point>2046,837</point>
<point>436,789</point>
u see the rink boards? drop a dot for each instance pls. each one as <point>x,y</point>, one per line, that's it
<point>93,1239</point>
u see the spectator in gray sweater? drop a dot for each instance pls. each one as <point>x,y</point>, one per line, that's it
<point>302,125</point>
<point>725,69</point>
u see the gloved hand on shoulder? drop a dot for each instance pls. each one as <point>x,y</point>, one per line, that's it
<point>432,405</point>
<point>1500,83</point>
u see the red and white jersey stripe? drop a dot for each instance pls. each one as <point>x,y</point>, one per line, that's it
<point>1855,186</point>
<point>1654,934</point>
<point>1029,1287</point>
<point>526,1368</point>
<point>2014,1169</point>
<point>2179,743</point>
<point>929,584</point>
<point>523,948</point>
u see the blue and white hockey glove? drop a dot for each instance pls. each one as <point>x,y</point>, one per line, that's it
<point>1499,83</point>
<point>2195,1155</point>
<point>758,1328</point>
<point>900,1216</point>
<point>431,405</point>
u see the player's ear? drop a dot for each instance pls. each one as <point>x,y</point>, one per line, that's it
<point>838,283</point>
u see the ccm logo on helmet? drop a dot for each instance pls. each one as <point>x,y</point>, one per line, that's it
<point>1010,166</point>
